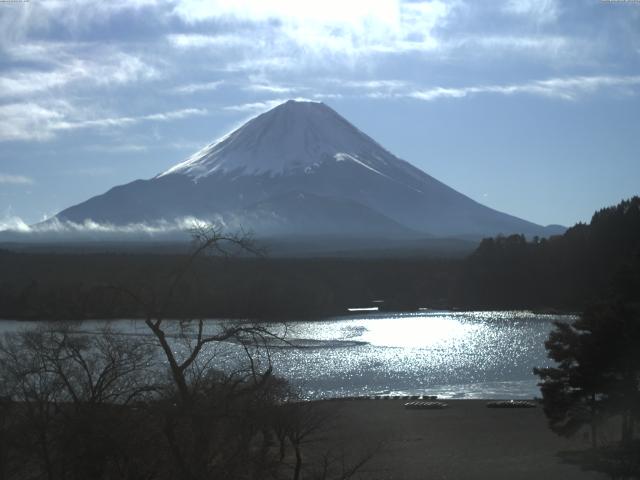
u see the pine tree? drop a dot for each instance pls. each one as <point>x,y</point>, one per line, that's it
<point>597,374</point>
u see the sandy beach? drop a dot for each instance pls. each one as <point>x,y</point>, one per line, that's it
<point>466,440</point>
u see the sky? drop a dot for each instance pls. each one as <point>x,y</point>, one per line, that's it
<point>531,107</point>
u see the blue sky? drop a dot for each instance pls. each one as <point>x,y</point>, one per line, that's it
<point>529,106</point>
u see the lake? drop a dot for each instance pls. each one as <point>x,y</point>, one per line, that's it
<point>449,354</point>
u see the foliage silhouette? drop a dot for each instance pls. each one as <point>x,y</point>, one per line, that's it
<point>100,406</point>
<point>596,381</point>
<point>565,273</point>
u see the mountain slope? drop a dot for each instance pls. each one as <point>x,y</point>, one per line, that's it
<point>301,169</point>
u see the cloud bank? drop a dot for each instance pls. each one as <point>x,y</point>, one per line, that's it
<point>14,226</point>
<point>229,55</point>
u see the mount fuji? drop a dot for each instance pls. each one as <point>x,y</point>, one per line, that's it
<point>301,169</point>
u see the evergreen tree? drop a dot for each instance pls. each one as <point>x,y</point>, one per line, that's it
<point>598,371</point>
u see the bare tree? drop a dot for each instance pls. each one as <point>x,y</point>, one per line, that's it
<point>102,406</point>
<point>204,398</point>
<point>304,425</point>
<point>69,395</point>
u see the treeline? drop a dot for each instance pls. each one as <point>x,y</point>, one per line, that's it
<point>66,286</point>
<point>566,272</point>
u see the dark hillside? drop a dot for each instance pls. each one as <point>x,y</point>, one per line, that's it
<point>565,272</point>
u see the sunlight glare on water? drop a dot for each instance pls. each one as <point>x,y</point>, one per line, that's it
<point>417,332</point>
<point>450,354</point>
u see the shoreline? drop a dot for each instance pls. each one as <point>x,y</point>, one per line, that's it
<point>419,398</point>
<point>320,317</point>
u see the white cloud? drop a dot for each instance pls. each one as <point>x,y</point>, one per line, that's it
<point>197,40</point>
<point>383,88</point>
<point>255,106</point>
<point>271,88</point>
<point>14,224</point>
<point>541,11</point>
<point>123,121</point>
<point>24,83</point>
<point>327,96</point>
<point>174,115</point>
<point>260,64</point>
<point>76,16</point>
<point>15,179</point>
<point>547,45</point>
<point>373,84</point>
<point>31,121</point>
<point>197,87</point>
<point>417,23</point>
<point>331,26</point>
<point>441,92</point>
<point>261,10</point>
<point>114,68</point>
<point>288,34</point>
<point>567,88</point>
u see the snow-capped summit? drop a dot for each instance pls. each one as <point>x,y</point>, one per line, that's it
<point>301,169</point>
<point>292,137</point>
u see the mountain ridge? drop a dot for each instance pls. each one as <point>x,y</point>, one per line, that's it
<point>272,142</point>
<point>303,147</point>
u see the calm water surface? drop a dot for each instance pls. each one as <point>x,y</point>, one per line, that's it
<point>449,354</point>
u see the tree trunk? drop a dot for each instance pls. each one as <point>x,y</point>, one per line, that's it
<point>296,473</point>
<point>594,422</point>
<point>176,371</point>
<point>627,428</point>
<point>282,449</point>
<point>175,449</point>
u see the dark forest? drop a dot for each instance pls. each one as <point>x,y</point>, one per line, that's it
<point>562,273</point>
